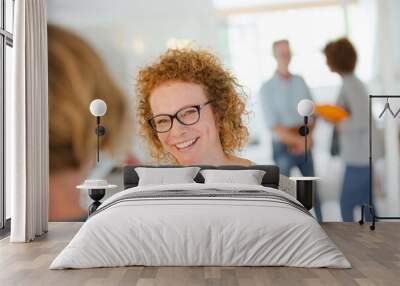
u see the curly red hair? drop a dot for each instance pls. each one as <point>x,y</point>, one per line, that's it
<point>221,87</point>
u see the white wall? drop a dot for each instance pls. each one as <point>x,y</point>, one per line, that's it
<point>129,34</point>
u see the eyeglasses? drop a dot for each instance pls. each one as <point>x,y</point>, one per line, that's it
<point>187,116</point>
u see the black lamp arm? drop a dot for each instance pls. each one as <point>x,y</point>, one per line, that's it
<point>100,131</point>
<point>304,130</point>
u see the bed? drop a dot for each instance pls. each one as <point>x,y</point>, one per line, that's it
<point>201,224</point>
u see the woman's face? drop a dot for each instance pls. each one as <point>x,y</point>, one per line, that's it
<point>189,144</point>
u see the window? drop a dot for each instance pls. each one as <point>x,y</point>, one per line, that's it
<point>6,43</point>
<point>248,33</point>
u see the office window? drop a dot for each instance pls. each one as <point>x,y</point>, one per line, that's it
<point>6,43</point>
<point>247,35</point>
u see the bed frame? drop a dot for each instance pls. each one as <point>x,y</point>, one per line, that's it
<point>304,193</point>
<point>270,179</point>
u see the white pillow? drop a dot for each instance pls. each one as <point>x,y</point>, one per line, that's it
<point>248,177</point>
<point>162,176</point>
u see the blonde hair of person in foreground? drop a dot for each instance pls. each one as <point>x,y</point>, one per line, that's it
<point>190,110</point>
<point>76,77</point>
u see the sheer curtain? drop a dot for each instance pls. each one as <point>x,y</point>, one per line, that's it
<point>27,124</point>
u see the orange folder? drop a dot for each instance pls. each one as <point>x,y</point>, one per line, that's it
<point>330,112</point>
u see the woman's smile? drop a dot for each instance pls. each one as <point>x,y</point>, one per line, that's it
<point>186,145</point>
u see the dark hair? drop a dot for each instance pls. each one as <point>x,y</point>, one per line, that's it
<point>341,55</point>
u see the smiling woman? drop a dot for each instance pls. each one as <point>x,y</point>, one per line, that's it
<point>192,87</point>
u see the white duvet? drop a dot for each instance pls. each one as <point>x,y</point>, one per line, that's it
<point>200,231</point>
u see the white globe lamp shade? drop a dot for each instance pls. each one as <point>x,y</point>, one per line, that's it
<point>98,107</point>
<point>305,107</point>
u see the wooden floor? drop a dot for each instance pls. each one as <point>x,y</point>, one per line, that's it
<point>374,255</point>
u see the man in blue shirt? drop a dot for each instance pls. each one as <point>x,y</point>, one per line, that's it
<point>280,96</point>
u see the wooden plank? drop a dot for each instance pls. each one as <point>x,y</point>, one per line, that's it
<point>374,255</point>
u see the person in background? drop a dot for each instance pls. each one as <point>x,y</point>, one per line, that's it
<point>280,96</point>
<point>341,58</point>
<point>76,77</point>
